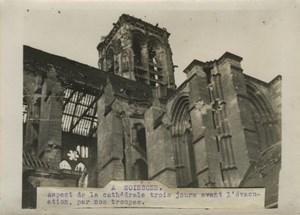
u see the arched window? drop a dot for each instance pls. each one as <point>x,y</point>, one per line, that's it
<point>183,143</point>
<point>141,136</point>
<point>83,151</point>
<point>267,130</point>
<point>139,139</point>
<point>154,55</point>
<point>137,50</point>
<point>80,167</point>
<point>140,170</point>
<point>64,165</point>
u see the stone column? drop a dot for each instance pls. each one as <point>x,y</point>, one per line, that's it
<point>51,108</point>
<point>110,142</point>
<point>204,134</point>
<point>237,131</point>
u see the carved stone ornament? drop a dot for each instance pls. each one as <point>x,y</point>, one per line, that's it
<point>167,121</point>
<point>125,39</point>
<point>73,155</point>
<point>200,106</point>
<point>52,73</point>
<point>133,109</point>
<point>187,124</point>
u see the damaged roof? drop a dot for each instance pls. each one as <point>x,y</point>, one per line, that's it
<point>131,89</point>
<point>265,173</point>
<point>84,77</point>
<point>69,71</point>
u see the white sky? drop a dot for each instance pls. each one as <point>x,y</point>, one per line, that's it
<point>255,35</point>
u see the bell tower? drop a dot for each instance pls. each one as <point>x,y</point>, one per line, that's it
<point>139,51</point>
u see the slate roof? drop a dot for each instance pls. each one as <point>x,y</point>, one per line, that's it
<point>265,173</point>
<point>85,77</point>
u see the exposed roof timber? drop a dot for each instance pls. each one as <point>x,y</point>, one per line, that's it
<point>74,111</point>
<point>80,96</point>
<point>72,74</point>
<point>69,99</point>
<point>81,77</point>
<point>84,113</point>
<point>93,119</point>
<point>92,131</point>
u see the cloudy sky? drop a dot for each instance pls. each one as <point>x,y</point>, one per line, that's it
<point>256,35</point>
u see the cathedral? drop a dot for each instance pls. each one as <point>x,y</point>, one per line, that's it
<point>127,120</point>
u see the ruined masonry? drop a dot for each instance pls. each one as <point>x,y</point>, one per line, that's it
<point>127,120</point>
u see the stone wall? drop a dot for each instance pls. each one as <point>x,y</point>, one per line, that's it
<point>160,149</point>
<point>43,94</point>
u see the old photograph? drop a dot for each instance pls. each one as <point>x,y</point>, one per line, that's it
<point>191,99</point>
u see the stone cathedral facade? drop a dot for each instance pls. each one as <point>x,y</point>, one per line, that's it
<point>127,120</point>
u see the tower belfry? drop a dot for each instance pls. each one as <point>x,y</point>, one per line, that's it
<point>139,51</point>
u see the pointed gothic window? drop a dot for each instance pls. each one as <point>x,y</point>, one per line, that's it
<point>64,165</point>
<point>137,50</point>
<point>80,167</point>
<point>141,137</point>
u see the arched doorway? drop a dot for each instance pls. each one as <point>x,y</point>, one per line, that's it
<point>183,142</point>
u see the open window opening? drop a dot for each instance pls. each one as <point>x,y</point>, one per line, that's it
<point>137,50</point>
<point>186,151</point>
<point>80,167</point>
<point>155,69</point>
<point>141,137</point>
<point>65,165</point>
<point>79,113</point>
<point>83,151</point>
